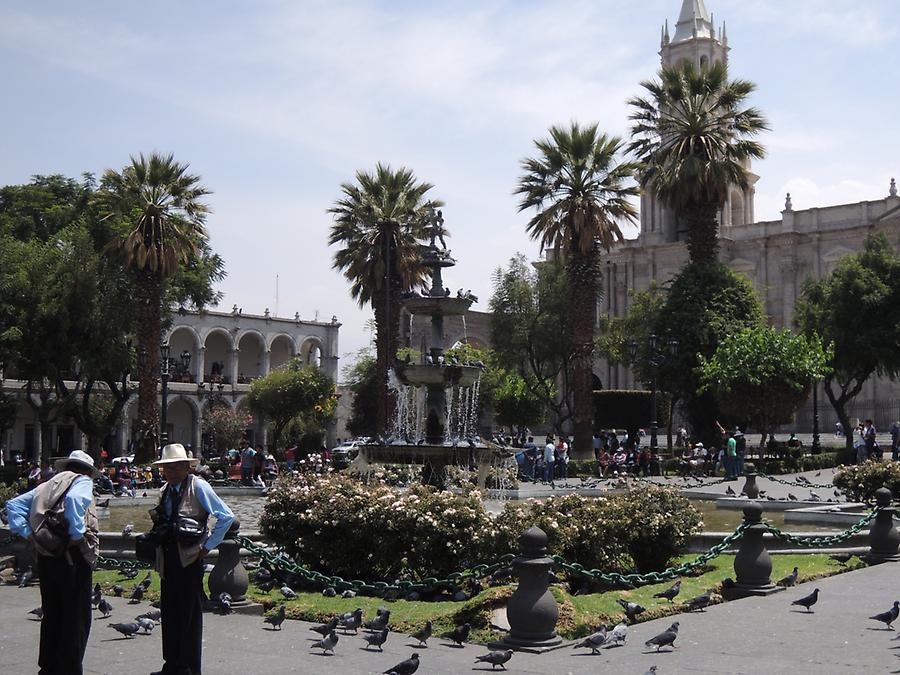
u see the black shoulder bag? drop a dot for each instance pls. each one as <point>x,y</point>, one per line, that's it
<point>52,535</point>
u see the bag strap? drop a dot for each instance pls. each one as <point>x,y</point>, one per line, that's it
<point>64,493</point>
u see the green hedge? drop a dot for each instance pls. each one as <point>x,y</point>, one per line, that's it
<point>859,483</point>
<point>628,409</point>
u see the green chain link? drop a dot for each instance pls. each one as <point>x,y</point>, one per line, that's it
<point>823,541</point>
<point>122,565</point>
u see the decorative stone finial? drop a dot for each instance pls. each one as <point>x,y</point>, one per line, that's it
<point>753,513</point>
<point>334,318</point>
<point>883,497</point>
<point>893,190</point>
<point>533,542</point>
<point>788,204</point>
<point>297,317</point>
<point>267,314</point>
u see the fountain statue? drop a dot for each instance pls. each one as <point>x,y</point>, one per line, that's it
<point>436,417</point>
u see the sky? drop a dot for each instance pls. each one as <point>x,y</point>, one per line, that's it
<point>275,104</point>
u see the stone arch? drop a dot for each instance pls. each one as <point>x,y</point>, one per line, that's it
<point>184,339</point>
<point>251,346</point>
<point>738,212</point>
<point>182,417</point>
<point>218,346</point>
<point>282,348</point>
<point>704,61</point>
<point>312,351</point>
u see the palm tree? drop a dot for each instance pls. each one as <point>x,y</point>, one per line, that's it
<point>377,224</point>
<point>162,210</point>
<point>580,191</point>
<point>694,140</point>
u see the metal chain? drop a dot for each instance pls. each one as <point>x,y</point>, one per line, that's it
<point>122,565</point>
<point>796,483</point>
<point>823,541</point>
<point>281,561</point>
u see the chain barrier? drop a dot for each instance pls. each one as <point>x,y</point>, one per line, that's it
<point>283,562</point>
<point>820,542</point>
<point>123,565</point>
<point>669,574</point>
<point>796,483</point>
<point>6,541</point>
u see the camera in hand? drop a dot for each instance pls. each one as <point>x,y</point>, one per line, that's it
<point>145,545</point>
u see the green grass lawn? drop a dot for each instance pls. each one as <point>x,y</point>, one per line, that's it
<point>579,615</point>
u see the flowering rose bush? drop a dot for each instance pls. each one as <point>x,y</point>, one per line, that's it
<point>859,483</point>
<point>336,524</point>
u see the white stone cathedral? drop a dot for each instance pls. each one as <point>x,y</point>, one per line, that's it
<point>777,256</point>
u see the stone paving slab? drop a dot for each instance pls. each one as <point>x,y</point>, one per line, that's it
<point>754,635</point>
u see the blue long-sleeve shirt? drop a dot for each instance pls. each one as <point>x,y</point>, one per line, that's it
<point>212,504</point>
<point>75,504</point>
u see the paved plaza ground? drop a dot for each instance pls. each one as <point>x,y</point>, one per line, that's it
<point>755,635</point>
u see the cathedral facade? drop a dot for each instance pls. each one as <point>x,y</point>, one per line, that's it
<point>777,256</point>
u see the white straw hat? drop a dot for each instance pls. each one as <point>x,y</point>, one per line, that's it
<point>175,452</point>
<point>77,457</point>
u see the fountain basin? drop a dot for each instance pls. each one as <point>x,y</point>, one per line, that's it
<point>420,454</point>
<point>418,375</point>
<point>437,306</point>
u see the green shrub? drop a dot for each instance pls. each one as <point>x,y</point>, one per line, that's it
<point>859,483</point>
<point>7,492</point>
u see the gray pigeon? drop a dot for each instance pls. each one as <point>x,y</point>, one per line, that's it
<point>593,642</point>
<point>137,594</point>
<point>808,601</point>
<point>326,628</point>
<point>288,593</point>
<point>96,595</point>
<point>352,622</point>
<point>618,637</point>
<point>147,624</point>
<point>459,634</point>
<point>129,574</point>
<point>729,491</point>
<point>423,634</point>
<point>664,639</point>
<point>632,609</point>
<point>104,607</point>
<point>38,612</point>
<point>701,602</point>
<point>327,643</point>
<point>790,579</point>
<point>147,580</point>
<point>888,617</point>
<point>329,592</point>
<point>842,558</point>
<point>651,671</point>
<point>348,594</point>
<point>118,590</point>
<point>381,620</point>
<point>495,658</point>
<point>376,639</point>
<point>224,603</point>
<point>670,593</point>
<point>25,577</point>
<point>791,497</point>
<point>128,530</point>
<point>407,667</point>
<point>126,629</point>
<point>276,619</point>
<point>153,615</point>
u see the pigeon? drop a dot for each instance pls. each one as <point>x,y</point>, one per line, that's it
<point>792,497</point>
<point>423,634</point>
<point>104,607</point>
<point>813,497</point>
<point>651,671</point>
<point>265,586</point>
<point>147,580</point>
<point>664,639</point>
<point>288,593</point>
<point>137,594</point>
<point>619,636</point>
<point>495,658</point>
<point>407,667</point>
<point>670,593</point>
<point>837,494</point>
<point>126,629</point>
<point>326,628</point>
<point>38,612</point>
<point>147,624</point>
<point>153,615</point>
<point>803,479</point>
<point>459,634</point>
<point>376,639</point>
<point>632,609</point>
<point>128,530</point>
<point>352,622</point>
<point>888,617</point>
<point>790,579</point>
<point>701,602</point>
<point>96,595</point>
<point>328,592</point>
<point>25,577</point>
<point>842,558</point>
<point>129,574</point>
<point>593,642</point>
<point>327,643</point>
<point>104,504</point>
<point>118,590</point>
<point>380,621</point>
<point>729,491</point>
<point>808,601</point>
<point>276,619</point>
<point>348,594</point>
<point>224,603</point>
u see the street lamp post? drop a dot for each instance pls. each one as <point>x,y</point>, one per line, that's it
<point>816,445</point>
<point>164,373</point>
<point>660,351</point>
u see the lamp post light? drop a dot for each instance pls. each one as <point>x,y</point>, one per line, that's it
<point>816,445</point>
<point>214,393</point>
<point>164,374</point>
<point>660,351</point>
<point>186,362</point>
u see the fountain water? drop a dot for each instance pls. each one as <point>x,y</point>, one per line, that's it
<point>436,418</point>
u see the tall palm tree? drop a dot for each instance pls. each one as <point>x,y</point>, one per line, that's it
<point>378,221</point>
<point>581,194</point>
<point>695,139</point>
<point>162,212</point>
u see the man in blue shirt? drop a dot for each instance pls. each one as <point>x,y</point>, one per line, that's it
<point>179,559</point>
<point>65,579</point>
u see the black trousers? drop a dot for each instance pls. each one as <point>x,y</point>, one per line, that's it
<point>182,614</point>
<point>66,601</point>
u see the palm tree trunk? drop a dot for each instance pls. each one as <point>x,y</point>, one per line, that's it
<point>703,232</point>
<point>149,333</point>
<point>583,277</point>
<point>381,362</point>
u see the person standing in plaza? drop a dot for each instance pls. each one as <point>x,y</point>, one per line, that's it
<point>248,454</point>
<point>549,456</point>
<point>895,440</point>
<point>65,578</point>
<point>531,457</point>
<point>731,458</point>
<point>185,504</point>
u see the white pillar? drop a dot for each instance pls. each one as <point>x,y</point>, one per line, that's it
<point>235,360</point>
<point>200,365</point>
<point>266,359</point>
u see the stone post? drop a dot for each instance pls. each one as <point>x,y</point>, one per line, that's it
<point>752,564</point>
<point>751,489</point>
<point>884,539</point>
<point>229,575</point>
<point>532,611</point>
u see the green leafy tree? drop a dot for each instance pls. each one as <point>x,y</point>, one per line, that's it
<point>162,210</point>
<point>291,391</point>
<point>581,192</point>
<point>362,379</point>
<point>695,139</point>
<point>761,376</point>
<point>378,222</point>
<point>225,426</point>
<point>515,403</point>
<point>854,309</point>
<point>529,315</point>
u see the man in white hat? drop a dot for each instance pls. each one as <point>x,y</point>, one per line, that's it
<point>65,577</point>
<point>184,499</point>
